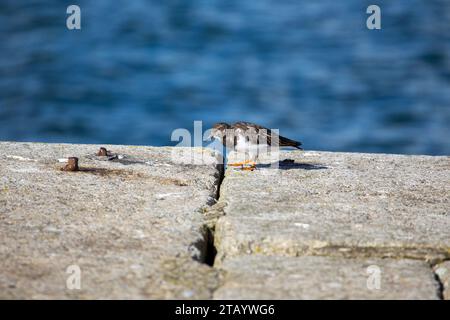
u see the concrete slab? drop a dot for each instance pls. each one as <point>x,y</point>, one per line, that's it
<point>278,277</point>
<point>132,224</point>
<point>338,204</point>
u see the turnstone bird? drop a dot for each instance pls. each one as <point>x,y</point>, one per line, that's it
<point>249,138</point>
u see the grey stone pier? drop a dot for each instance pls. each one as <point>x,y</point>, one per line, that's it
<point>170,223</point>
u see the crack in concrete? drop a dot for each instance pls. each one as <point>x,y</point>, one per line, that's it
<point>440,285</point>
<point>211,220</point>
<point>211,213</point>
<point>437,278</point>
<point>206,245</point>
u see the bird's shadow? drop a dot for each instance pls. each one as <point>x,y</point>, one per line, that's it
<point>289,164</point>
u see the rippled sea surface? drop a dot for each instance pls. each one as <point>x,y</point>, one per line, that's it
<point>139,69</point>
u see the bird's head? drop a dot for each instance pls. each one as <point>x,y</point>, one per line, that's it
<point>218,130</point>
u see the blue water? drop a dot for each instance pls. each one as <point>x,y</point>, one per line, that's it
<point>139,69</point>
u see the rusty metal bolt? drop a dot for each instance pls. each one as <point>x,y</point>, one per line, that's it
<point>102,152</point>
<point>72,164</point>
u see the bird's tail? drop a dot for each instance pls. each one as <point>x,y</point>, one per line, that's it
<point>290,143</point>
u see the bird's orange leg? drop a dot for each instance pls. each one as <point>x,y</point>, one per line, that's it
<point>236,164</point>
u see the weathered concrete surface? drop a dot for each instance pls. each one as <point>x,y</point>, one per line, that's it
<point>136,225</point>
<point>277,277</point>
<point>133,225</point>
<point>338,204</point>
<point>442,271</point>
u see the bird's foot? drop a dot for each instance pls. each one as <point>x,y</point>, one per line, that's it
<point>251,167</point>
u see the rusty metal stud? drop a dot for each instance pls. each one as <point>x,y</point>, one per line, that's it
<point>72,164</point>
<point>102,152</point>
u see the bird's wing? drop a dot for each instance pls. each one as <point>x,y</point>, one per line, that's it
<point>253,132</point>
<point>265,134</point>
